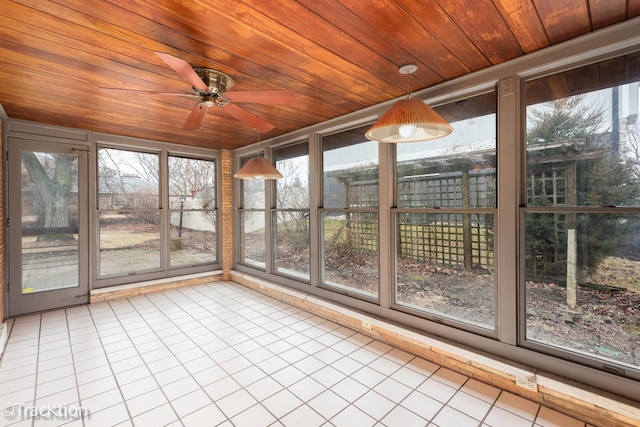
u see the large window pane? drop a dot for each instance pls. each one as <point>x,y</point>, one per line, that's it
<point>581,249</point>
<point>129,212</point>
<point>350,172</point>
<point>252,245</point>
<point>574,158</point>
<point>291,251</point>
<point>351,252</point>
<point>446,194</point>
<point>193,179</point>
<point>129,242</point>
<point>193,217</point>
<point>252,221</point>
<point>445,265</point>
<point>582,283</point>
<point>127,180</point>
<point>291,219</point>
<point>457,171</point>
<point>193,237</point>
<point>349,258</point>
<point>253,192</point>
<point>50,247</point>
<point>292,191</point>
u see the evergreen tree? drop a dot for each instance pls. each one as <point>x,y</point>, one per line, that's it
<point>562,133</point>
<point>566,119</point>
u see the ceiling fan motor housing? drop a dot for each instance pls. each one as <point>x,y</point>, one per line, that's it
<point>217,81</point>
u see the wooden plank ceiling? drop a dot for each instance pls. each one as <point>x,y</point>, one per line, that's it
<point>334,56</point>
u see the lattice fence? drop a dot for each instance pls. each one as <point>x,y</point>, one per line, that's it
<point>455,240</point>
<point>463,240</point>
<point>546,243</point>
<point>362,194</point>
<point>548,187</point>
<point>362,230</point>
<point>472,189</point>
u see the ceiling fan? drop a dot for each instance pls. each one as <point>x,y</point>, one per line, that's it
<point>212,87</point>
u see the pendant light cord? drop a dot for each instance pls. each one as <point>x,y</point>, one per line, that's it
<point>408,91</point>
<point>258,145</point>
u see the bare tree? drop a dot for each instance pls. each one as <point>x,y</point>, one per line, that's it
<point>194,178</point>
<point>293,202</point>
<point>53,188</point>
<point>633,148</point>
<point>187,178</point>
<point>110,179</point>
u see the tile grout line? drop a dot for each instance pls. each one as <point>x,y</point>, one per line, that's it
<point>113,374</point>
<point>140,355</point>
<point>277,419</point>
<point>192,313</point>
<point>197,345</point>
<point>258,403</point>
<point>343,355</point>
<point>73,365</point>
<point>35,385</point>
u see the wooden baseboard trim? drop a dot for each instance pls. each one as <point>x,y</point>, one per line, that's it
<point>141,288</point>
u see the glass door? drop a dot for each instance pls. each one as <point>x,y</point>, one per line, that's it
<point>47,205</point>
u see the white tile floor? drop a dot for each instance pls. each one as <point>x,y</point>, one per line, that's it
<point>224,355</point>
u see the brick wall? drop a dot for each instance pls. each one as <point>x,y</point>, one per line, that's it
<point>226,207</point>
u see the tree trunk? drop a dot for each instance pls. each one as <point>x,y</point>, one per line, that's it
<point>54,192</point>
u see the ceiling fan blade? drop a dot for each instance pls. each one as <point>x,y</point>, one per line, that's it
<point>149,92</point>
<point>251,119</point>
<point>195,117</point>
<point>281,97</point>
<point>183,68</point>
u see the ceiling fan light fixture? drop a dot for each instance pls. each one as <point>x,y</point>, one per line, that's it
<point>258,168</point>
<point>208,101</point>
<point>409,120</point>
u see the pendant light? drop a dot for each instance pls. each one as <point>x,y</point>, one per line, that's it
<point>258,168</point>
<point>409,120</point>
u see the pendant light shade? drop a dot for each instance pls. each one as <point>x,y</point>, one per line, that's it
<point>258,168</point>
<point>409,120</point>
